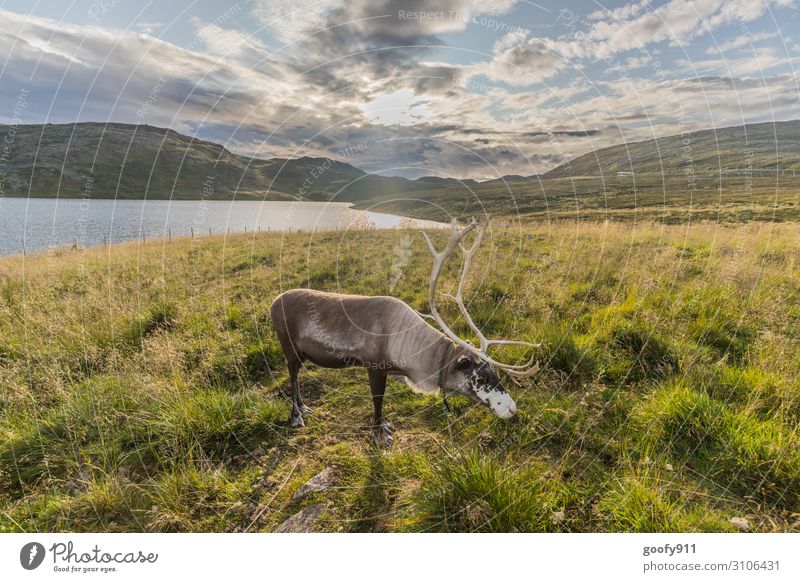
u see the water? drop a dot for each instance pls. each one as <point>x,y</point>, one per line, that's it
<point>46,222</point>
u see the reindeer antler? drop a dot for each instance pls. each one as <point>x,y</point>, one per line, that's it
<point>439,258</point>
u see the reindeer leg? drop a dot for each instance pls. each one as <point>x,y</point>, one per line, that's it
<point>296,416</point>
<point>300,404</point>
<point>381,432</point>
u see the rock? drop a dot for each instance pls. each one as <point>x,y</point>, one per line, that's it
<point>267,482</point>
<point>740,523</point>
<point>322,481</point>
<point>478,513</point>
<point>304,520</point>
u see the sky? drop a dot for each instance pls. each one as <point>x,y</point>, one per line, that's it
<point>451,88</point>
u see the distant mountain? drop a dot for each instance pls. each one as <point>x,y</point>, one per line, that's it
<point>509,179</point>
<point>437,182</point>
<point>136,161</point>
<point>118,160</point>
<point>762,147</point>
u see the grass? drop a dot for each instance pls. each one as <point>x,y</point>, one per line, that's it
<point>142,387</point>
<point>667,198</point>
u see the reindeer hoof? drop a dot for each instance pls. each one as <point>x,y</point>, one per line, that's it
<point>296,420</point>
<point>305,409</point>
<point>382,436</point>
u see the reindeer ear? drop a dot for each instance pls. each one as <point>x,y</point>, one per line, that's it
<point>464,362</point>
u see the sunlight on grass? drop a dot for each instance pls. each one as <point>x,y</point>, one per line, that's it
<point>143,388</point>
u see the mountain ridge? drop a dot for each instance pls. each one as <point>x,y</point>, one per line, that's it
<point>760,147</point>
<point>124,160</point>
<point>139,161</point>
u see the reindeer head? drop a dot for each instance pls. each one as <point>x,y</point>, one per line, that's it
<point>472,372</point>
<point>475,379</point>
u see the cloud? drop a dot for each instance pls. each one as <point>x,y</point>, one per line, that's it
<point>293,20</point>
<point>630,27</point>
<point>745,40</point>
<point>624,12</point>
<point>227,42</point>
<point>357,72</point>
<point>148,27</point>
<point>365,47</point>
<point>677,21</point>
<point>511,39</point>
<point>637,62</point>
<point>524,64</point>
<point>757,61</point>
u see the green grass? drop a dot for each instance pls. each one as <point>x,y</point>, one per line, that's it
<point>143,389</point>
<point>668,198</point>
<point>732,448</point>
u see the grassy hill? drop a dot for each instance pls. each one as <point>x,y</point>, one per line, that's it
<point>143,388</point>
<point>653,197</point>
<point>136,161</point>
<point>733,174</point>
<point>763,148</point>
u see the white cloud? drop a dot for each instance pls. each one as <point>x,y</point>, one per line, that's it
<point>226,42</point>
<point>367,77</point>
<point>148,27</point>
<point>677,21</point>
<point>624,12</point>
<point>745,40</point>
<point>523,64</point>
<point>637,62</point>
<point>510,39</point>
<point>617,31</point>
<point>756,62</point>
<point>291,19</point>
<point>364,19</point>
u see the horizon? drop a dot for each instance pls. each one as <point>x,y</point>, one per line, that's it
<point>462,89</point>
<point>420,177</point>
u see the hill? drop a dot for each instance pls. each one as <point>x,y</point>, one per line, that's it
<point>118,160</point>
<point>761,148</point>
<point>730,174</point>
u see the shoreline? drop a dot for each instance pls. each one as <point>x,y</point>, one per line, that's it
<point>199,235</point>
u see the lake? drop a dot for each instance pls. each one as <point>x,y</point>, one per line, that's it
<point>38,223</point>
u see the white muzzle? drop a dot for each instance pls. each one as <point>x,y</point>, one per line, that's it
<point>501,403</point>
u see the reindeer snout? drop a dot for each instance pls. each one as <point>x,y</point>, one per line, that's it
<point>503,405</point>
<point>507,412</point>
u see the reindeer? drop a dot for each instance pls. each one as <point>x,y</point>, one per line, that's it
<point>388,337</point>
